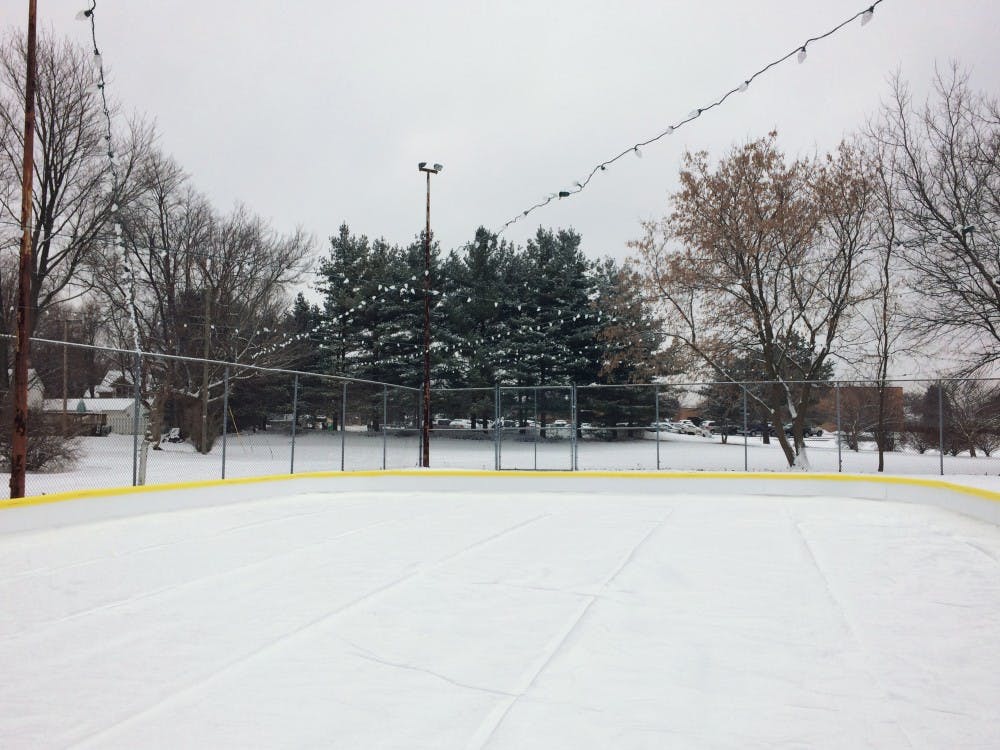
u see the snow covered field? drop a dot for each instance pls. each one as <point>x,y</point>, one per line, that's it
<point>261,617</point>
<point>107,461</point>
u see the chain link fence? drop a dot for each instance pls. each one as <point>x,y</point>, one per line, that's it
<point>103,418</point>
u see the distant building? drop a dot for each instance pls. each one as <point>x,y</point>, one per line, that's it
<point>118,412</point>
<point>36,391</point>
<point>116,384</point>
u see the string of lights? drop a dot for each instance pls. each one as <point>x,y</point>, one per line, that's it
<point>89,14</point>
<point>800,53</point>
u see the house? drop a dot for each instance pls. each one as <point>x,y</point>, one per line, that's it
<point>116,384</point>
<point>118,413</point>
<point>36,391</point>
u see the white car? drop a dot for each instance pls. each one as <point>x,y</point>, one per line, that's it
<point>687,427</point>
<point>461,424</point>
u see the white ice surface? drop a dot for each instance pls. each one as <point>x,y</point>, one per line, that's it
<point>555,620</point>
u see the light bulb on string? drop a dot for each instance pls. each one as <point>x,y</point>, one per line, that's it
<point>744,86</point>
<point>801,57</point>
<point>867,16</point>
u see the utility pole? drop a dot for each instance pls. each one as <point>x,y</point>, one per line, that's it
<point>206,351</point>
<point>65,374</point>
<point>19,439</point>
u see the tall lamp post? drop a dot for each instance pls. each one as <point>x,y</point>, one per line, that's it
<point>425,458</point>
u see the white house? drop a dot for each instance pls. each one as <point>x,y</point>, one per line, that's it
<point>116,384</point>
<point>36,391</point>
<point>120,411</point>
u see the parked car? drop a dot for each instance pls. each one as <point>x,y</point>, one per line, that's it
<point>687,427</point>
<point>461,424</point>
<point>664,425</point>
<point>808,431</point>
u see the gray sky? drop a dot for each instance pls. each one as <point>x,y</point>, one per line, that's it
<point>316,112</point>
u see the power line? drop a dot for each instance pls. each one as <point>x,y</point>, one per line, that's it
<point>799,53</point>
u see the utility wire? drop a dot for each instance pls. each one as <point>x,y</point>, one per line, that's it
<point>799,52</point>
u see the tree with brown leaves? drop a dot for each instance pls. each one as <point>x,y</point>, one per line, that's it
<point>765,254</point>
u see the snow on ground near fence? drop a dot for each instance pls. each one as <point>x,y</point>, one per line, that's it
<point>275,615</point>
<point>107,461</point>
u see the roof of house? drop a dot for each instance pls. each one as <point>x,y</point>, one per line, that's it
<point>93,405</point>
<point>110,378</point>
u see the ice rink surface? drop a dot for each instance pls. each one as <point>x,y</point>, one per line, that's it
<point>549,620</point>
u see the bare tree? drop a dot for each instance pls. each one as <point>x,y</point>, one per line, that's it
<point>72,201</point>
<point>205,287</point>
<point>760,254</point>
<point>945,160</point>
<point>974,415</point>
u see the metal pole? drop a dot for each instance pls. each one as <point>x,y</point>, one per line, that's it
<point>295,418</point>
<point>426,456</point>
<point>343,425</point>
<point>941,426</point>
<point>225,416</point>
<point>840,447</point>
<point>498,425</point>
<point>746,450</point>
<point>656,416</point>
<point>536,428</point>
<point>572,405</point>
<point>19,439</point>
<point>136,402</point>
<point>385,420</point>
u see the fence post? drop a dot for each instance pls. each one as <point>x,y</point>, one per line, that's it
<point>746,448</point>
<point>385,420</point>
<point>840,441</point>
<point>420,430</point>
<point>136,405</point>
<point>295,419</point>
<point>536,428</point>
<point>225,416</point>
<point>573,458</point>
<point>941,426</point>
<point>497,427</point>
<point>343,424</point>
<point>656,416</point>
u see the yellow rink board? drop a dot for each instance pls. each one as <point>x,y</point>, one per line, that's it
<point>513,476</point>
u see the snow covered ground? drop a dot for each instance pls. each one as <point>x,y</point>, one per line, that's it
<point>107,461</point>
<point>225,618</point>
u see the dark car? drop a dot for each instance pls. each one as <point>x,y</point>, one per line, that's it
<point>807,431</point>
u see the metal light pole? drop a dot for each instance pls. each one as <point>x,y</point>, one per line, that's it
<point>19,439</point>
<point>425,458</point>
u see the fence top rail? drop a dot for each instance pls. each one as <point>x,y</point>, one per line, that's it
<point>833,383</point>
<point>220,362</point>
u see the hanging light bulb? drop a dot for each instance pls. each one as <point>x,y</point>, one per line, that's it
<point>744,86</point>
<point>801,57</point>
<point>83,15</point>
<point>867,16</point>
<point>97,60</point>
<point>637,151</point>
<point>669,130</point>
<point>694,113</point>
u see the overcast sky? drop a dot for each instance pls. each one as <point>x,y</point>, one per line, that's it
<point>316,112</point>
